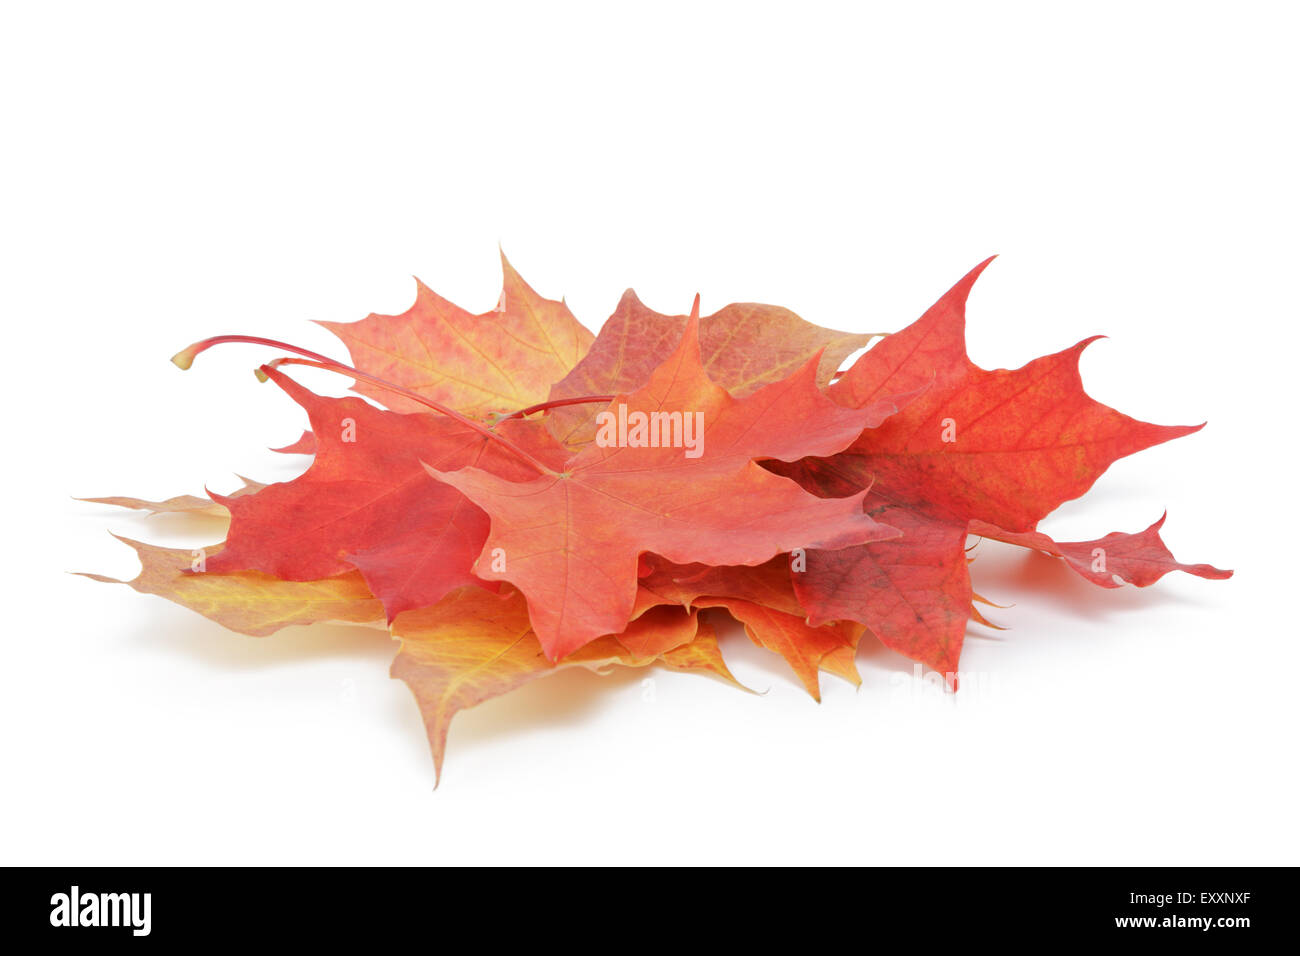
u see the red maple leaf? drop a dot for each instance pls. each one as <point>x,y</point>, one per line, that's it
<point>621,494</point>
<point>570,541</point>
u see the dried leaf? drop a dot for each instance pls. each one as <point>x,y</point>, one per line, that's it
<point>507,536</point>
<point>1006,447</point>
<point>503,360</point>
<point>743,347</point>
<point>1111,561</point>
<point>248,602</point>
<point>571,541</point>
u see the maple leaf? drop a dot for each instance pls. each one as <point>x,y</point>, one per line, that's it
<point>502,360</point>
<point>472,646</point>
<point>763,600</point>
<point>804,648</point>
<point>181,504</point>
<point>701,654</point>
<point>743,347</point>
<point>248,602</point>
<point>809,517</point>
<point>913,591</point>
<point>367,503</point>
<point>973,447</point>
<point>1006,447</point>
<point>1112,561</point>
<point>571,540</point>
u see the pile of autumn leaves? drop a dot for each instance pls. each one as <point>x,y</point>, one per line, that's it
<point>500,547</point>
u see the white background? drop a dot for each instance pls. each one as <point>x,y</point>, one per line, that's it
<point>176,171</point>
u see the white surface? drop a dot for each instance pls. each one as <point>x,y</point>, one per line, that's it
<point>175,172</point>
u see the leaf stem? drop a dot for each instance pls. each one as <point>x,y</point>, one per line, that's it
<point>185,358</point>
<point>559,403</point>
